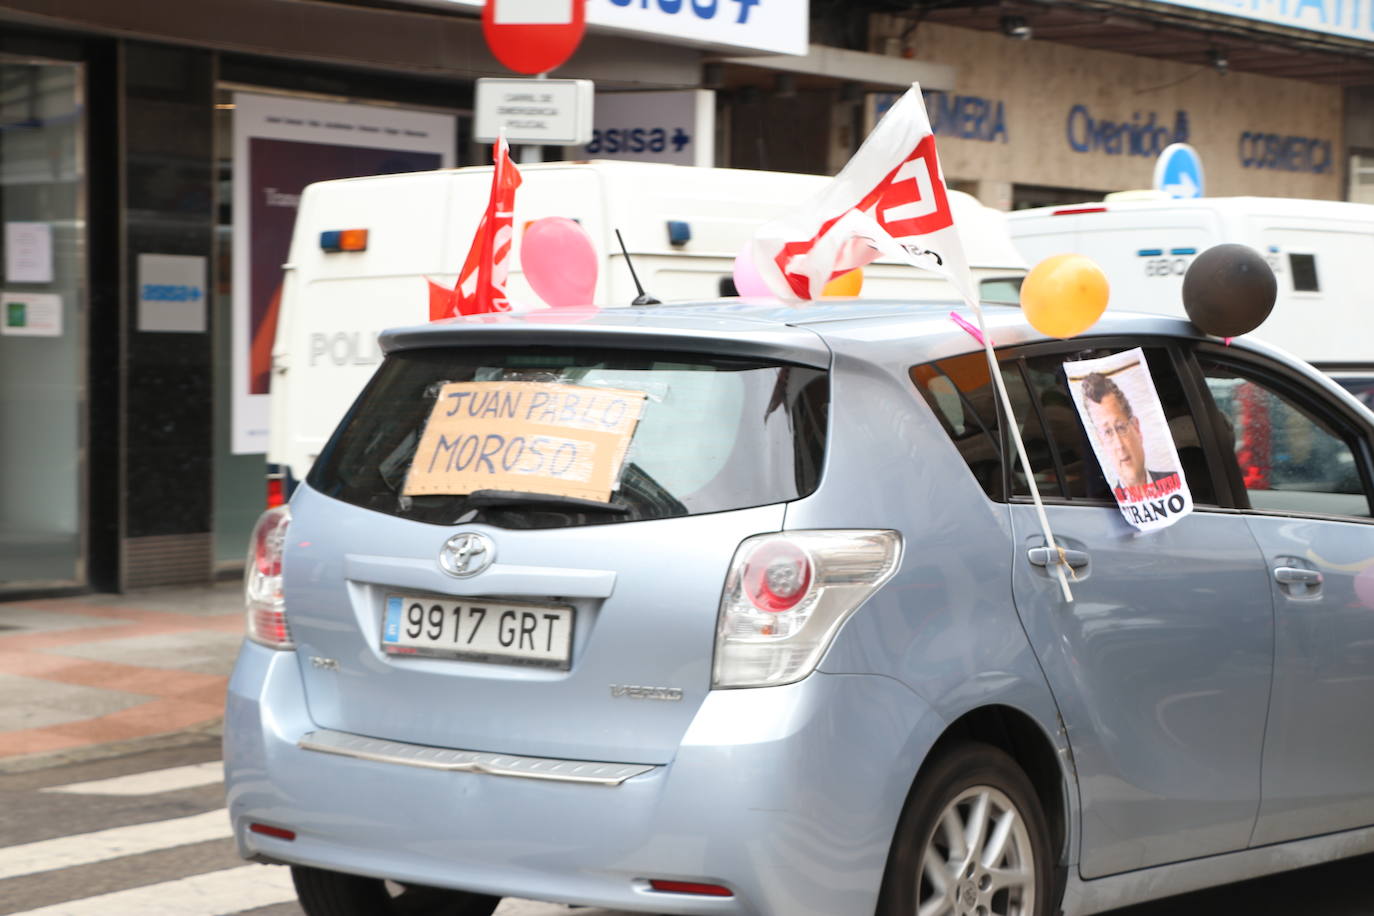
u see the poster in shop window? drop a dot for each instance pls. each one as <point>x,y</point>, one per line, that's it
<point>282,144</point>
<point>1120,408</point>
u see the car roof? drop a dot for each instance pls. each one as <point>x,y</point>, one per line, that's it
<point>805,326</point>
<point>897,332</point>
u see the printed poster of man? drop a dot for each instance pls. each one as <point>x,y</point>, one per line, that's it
<point>1117,400</point>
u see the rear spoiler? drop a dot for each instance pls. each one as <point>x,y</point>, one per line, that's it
<point>770,342</point>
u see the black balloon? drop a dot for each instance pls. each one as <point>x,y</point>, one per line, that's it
<point>1229,290</point>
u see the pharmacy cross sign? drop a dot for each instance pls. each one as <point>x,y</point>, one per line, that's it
<point>533,36</point>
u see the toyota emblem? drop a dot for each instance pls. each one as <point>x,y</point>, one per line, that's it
<point>467,554</point>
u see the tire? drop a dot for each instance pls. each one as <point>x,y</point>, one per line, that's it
<point>331,893</point>
<point>973,790</point>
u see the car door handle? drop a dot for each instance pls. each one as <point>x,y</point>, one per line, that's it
<point>1292,575</point>
<point>1043,556</point>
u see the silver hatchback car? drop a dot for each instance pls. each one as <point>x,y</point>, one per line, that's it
<point>753,615</point>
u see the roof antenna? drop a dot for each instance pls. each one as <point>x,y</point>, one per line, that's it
<point>643,298</point>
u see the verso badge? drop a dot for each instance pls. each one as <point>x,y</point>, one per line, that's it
<point>466,554</point>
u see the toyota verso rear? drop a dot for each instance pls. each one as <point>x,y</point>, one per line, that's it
<point>737,609</point>
<point>475,674</point>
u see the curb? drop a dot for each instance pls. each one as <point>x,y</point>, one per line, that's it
<point>196,734</point>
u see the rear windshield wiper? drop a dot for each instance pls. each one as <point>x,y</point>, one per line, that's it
<point>480,498</point>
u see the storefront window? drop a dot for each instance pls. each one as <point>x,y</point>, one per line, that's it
<point>42,326</point>
<point>284,141</point>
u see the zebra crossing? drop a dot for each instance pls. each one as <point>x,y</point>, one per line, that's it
<point>114,839</point>
<point>102,864</point>
<point>155,842</point>
<point>207,894</point>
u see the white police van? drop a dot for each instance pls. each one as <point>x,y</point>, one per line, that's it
<point>683,227</point>
<point>1321,252</point>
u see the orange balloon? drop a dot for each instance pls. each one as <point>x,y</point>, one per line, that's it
<point>1064,295</point>
<point>845,284</point>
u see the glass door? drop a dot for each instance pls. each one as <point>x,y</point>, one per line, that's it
<point>42,326</point>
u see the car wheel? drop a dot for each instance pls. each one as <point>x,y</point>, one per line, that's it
<point>331,893</point>
<point>972,841</point>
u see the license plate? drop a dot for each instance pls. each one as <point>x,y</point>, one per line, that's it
<point>492,631</point>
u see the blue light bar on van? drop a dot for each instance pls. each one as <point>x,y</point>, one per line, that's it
<point>1149,252</point>
<point>333,240</point>
<point>679,232</point>
<point>1182,251</point>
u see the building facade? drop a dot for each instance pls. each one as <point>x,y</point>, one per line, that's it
<point>1065,102</point>
<point>1041,123</point>
<point>151,156</point>
<point>132,337</point>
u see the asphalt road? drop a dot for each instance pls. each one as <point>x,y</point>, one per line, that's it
<point>102,839</point>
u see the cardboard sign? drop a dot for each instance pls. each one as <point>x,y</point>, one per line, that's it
<point>529,437</point>
<point>1119,406</point>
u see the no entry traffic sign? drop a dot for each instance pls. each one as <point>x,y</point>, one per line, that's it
<point>533,36</point>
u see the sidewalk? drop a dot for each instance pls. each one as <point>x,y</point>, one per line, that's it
<point>96,672</point>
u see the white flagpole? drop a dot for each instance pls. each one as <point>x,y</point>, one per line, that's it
<point>1057,558</point>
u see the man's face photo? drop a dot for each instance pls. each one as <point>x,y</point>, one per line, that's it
<point>1119,432</point>
<point>1117,400</point>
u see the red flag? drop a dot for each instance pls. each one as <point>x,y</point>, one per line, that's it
<point>482,281</point>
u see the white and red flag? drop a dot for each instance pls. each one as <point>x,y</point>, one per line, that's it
<point>481,283</point>
<point>888,200</point>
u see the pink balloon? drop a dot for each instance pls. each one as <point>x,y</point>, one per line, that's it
<point>747,280</point>
<point>559,262</point>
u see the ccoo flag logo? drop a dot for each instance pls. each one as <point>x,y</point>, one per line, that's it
<point>911,199</point>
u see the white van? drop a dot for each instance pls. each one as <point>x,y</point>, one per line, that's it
<point>683,227</point>
<point>1322,253</point>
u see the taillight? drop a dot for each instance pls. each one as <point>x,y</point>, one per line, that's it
<point>787,594</point>
<point>262,581</point>
<point>694,888</point>
<point>776,576</point>
<point>276,489</point>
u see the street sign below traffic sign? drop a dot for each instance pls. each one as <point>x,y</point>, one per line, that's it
<point>1178,171</point>
<point>543,112</point>
<point>533,36</point>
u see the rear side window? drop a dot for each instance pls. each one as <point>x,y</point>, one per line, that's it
<point>1057,445</point>
<point>714,435</point>
<point>960,391</point>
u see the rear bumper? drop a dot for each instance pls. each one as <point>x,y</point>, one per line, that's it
<point>787,795</point>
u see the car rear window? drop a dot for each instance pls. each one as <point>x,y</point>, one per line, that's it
<point>714,434</point>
